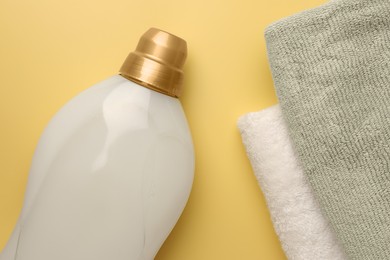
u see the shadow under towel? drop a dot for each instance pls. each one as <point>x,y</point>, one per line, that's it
<point>331,70</point>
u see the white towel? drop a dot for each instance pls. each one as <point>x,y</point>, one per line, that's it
<point>302,229</point>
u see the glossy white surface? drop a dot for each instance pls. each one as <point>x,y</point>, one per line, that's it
<point>110,177</point>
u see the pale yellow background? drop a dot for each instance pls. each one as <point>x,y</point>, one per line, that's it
<point>51,50</point>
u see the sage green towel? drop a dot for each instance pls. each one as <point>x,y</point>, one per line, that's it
<point>331,69</point>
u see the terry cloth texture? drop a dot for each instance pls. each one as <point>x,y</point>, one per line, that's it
<point>302,229</point>
<point>331,70</point>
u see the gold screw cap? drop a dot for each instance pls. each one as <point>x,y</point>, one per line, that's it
<point>157,62</point>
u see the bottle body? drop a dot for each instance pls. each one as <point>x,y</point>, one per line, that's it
<point>110,177</point>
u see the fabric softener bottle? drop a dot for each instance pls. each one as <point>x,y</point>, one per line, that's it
<point>113,169</point>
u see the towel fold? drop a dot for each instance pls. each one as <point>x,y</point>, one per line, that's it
<point>331,70</point>
<point>303,231</point>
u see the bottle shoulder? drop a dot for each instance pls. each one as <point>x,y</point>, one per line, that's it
<point>124,106</point>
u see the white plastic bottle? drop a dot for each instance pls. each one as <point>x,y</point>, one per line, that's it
<point>114,168</point>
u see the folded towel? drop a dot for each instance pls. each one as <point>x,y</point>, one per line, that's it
<point>331,70</point>
<point>303,231</point>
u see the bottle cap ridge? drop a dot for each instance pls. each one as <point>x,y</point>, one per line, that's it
<point>157,62</point>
